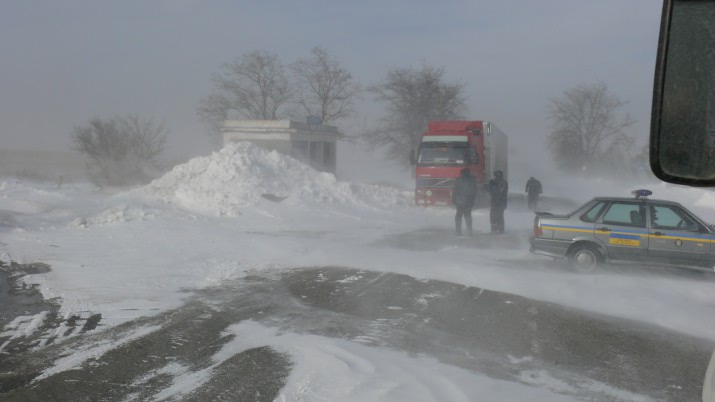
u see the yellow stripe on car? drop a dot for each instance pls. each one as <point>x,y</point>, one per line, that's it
<point>652,236</point>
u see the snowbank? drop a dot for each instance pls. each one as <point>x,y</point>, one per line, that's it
<point>240,174</point>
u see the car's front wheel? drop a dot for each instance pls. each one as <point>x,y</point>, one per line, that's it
<point>584,258</point>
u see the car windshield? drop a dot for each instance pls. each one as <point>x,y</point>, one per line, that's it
<point>269,201</point>
<point>443,154</point>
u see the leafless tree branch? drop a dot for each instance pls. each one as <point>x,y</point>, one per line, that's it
<point>324,88</point>
<point>587,128</point>
<point>254,86</point>
<point>121,151</point>
<point>412,98</point>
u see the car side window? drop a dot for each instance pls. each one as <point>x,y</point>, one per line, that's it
<point>671,217</point>
<point>625,214</point>
<point>592,214</point>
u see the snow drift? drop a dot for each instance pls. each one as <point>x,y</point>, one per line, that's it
<point>239,174</point>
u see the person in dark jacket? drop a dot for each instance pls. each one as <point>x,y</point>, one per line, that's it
<point>533,189</point>
<point>498,188</point>
<point>463,196</point>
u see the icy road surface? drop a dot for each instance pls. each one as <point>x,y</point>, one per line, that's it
<point>345,334</point>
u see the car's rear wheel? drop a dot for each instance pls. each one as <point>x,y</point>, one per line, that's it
<point>584,258</point>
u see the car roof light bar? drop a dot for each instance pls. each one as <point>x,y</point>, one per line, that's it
<point>641,193</point>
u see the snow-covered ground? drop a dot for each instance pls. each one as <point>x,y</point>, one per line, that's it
<point>133,253</point>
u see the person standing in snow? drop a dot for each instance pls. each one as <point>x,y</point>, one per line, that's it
<point>463,196</point>
<point>498,188</point>
<point>533,189</point>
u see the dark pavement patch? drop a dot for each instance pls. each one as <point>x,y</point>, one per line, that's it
<point>503,336</point>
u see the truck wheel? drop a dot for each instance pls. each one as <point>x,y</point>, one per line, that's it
<point>584,258</point>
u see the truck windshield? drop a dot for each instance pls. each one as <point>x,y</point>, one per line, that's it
<point>436,154</point>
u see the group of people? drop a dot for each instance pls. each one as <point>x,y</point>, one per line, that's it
<point>465,194</point>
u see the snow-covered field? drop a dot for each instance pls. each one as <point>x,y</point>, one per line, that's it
<point>133,253</point>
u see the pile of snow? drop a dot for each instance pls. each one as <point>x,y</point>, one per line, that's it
<point>119,214</point>
<point>240,174</point>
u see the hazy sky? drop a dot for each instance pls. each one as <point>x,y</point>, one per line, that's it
<point>66,62</point>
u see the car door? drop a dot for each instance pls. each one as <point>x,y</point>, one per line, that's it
<point>675,236</point>
<point>622,229</point>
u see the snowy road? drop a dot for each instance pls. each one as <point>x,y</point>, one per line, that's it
<point>337,315</point>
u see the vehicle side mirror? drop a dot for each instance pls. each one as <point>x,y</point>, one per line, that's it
<point>412,157</point>
<point>682,138</point>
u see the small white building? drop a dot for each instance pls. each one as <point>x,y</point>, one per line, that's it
<point>313,144</point>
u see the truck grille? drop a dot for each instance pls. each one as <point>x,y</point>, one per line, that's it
<point>435,182</point>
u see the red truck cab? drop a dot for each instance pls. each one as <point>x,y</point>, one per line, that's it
<point>449,146</point>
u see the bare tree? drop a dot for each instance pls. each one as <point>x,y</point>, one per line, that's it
<point>324,88</point>
<point>121,151</point>
<point>252,87</point>
<point>413,97</point>
<point>587,127</point>
<point>213,110</point>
